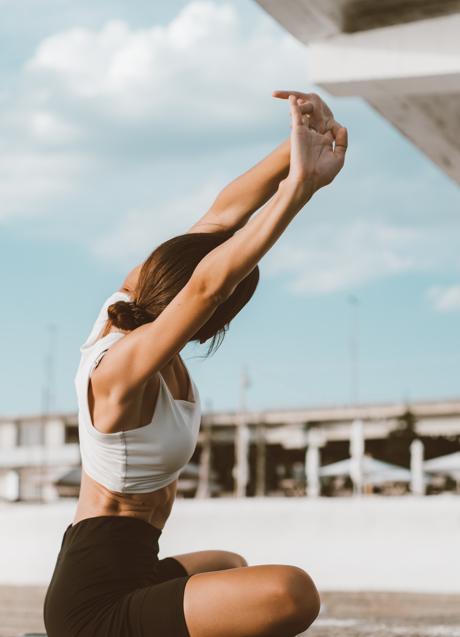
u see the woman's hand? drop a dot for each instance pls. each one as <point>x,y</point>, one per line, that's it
<point>316,157</point>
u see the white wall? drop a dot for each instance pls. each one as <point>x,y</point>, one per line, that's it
<point>8,435</point>
<point>376,543</point>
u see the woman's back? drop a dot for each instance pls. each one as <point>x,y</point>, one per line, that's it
<point>133,452</point>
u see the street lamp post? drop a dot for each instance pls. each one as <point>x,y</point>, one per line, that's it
<point>353,344</point>
<point>242,438</point>
<point>48,397</point>
<point>357,443</point>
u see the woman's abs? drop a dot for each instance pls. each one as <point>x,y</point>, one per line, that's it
<point>154,507</point>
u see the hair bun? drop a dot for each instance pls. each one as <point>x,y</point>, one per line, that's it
<point>127,315</point>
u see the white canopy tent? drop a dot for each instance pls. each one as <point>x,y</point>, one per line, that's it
<point>449,465</point>
<point>374,471</point>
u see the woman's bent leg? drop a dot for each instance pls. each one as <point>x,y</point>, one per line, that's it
<point>255,601</point>
<point>213,560</point>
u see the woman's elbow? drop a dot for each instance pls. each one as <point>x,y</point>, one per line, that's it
<point>214,289</point>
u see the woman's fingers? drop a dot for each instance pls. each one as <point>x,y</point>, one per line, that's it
<point>306,108</point>
<point>322,118</point>
<point>296,113</point>
<point>341,142</point>
<point>321,113</point>
<point>303,99</point>
<point>285,94</point>
<point>335,127</point>
<point>329,137</point>
<point>314,98</point>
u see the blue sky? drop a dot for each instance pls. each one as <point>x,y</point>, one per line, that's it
<point>120,123</point>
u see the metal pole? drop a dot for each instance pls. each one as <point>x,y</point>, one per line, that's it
<point>261,460</point>
<point>245,382</point>
<point>353,343</point>
<point>312,464</point>
<point>48,398</point>
<point>205,463</point>
<point>203,490</point>
<point>241,469</point>
<point>357,430</point>
<point>357,456</point>
<point>416,467</point>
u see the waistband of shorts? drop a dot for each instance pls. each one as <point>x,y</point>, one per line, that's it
<point>127,525</point>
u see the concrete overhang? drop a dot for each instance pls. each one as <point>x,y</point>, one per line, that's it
<point>402,57</point>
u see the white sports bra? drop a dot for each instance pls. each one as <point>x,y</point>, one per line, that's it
<point>137,460</point>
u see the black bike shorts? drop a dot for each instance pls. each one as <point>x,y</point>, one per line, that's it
<point>109,582</point>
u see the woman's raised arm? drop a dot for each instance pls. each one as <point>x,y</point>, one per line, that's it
<point>315,160</point>
<point>235,203</point>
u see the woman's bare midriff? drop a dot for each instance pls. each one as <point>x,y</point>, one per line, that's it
<point>95,500</point>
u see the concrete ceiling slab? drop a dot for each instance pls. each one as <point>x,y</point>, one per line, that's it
<point>401,56</point>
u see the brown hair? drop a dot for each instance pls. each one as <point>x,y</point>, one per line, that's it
<point>166,271</point>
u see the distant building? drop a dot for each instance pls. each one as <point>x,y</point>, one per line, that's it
<point>253,453</point>
<point>34,452</point>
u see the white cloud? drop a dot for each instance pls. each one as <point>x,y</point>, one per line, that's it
<point>109,123</point>
<point>329,257</point>
<point>51,129</point>
<point>445,299</point>
<point>196,72</point>
<point>139,231</point>
<point>30,180</point>
<point>123,94</point>
<point>369,225</point>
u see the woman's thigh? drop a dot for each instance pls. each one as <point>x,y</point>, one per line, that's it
<point>256,601</point>
<point>213,560</point>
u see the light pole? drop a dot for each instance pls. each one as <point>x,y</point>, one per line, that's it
<point>353,345</point>
<point>204,472</point>
<point>241,469</point>
<point>48,396</point>
<point>357,443</point>
<point>417,483</point>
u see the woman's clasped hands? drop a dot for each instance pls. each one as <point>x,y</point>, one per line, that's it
<point>318,142</point>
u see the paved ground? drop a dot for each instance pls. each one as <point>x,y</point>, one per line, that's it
<point>342,614</point>
<point>387,615</point>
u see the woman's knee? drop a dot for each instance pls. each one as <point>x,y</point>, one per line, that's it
<point>228,559</point>
<point>236,560</point>
<point>298,598</point>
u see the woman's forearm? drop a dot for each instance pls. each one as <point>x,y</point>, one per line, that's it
<point>247,193</point>
<point>225,266</point>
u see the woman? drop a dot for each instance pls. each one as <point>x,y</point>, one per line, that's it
<point>139,415</point>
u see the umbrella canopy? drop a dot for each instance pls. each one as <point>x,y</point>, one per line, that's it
<point>374,471</point>
<point>449,464</point>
